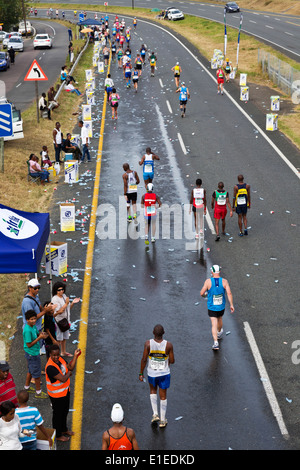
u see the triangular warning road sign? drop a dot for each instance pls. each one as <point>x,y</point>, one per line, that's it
<point>35,72</point>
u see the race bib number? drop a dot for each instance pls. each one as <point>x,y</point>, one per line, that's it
<point>218,299</point>
<point>148,168</point>
<point>150,210</point>
<point>241,201</point>
<point>132,187</point>
<point>157,363</point>
<point>222,200</point>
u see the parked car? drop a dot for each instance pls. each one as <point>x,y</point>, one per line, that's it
<point>4,61</point>
<point>42,40</point>
<point>5,40</point>
<point>29,28</point>
<point>2,35</point>
<point>16,43</point>
<point>232,7</point>
<point>17,122</point>
<point>175,14</point>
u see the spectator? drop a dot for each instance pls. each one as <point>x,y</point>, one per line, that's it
<point>12,54</point>
<point>31,338</point>
<point>30,418</point>
<point>57,141</point>
<point>35,169</point>
<point>85,141</point>
<point>62,313</point>
<point>69,147</point>
<point>72,89</point>
<point>58,374</point>
<point>31,301</point>
<point>53,104</point>
<point>7,384</point>
<point>65,76</point>
<point>50,328</point>
<point>45,157</point>
<point>10,427</point>
<point>43,106</point>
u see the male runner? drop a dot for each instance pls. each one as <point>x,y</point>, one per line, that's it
<point>177,71</point>
<point>148,202</point>
<point>220,80</point>
<point>184,95</point>
<point>219,201</point>
<point>148,165</point>
<point>215,289</point>
<point>198,205</point>
<point>131,180</point>
<point>241,203</point>
<point>159,354</point>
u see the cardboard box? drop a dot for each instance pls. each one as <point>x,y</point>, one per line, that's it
<point>67,217</point>
<point>275,103</point>
<point>42,444</point>
<point>59,258</point>
<point>71,171</point>
<point>271,122</point>
<point>244,93</point>
<point>243,79</point>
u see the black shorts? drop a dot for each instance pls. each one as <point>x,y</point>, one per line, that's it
<point>183,103</point>
<point>131,197</point>
<point>242,209</point>
<point>138,66</point>
<point>217,314</point>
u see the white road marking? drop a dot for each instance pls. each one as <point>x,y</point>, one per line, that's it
<point>265,380</point>
<point>169,107</point>
<point>161,83</point>
<point>181,143</point>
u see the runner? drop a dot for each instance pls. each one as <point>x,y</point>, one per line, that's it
<point>219,201</point>
<point>227,68</point>
<point>113,51</point>
<point>134,23</point>
<point>138,63</point>
<point>177,71</point>
<point>125,59</point>
<point>131,180</point>
<point>220,80</point>
<point>135,78</point>
<point>120,57</point>
<point>215,289</point>
<point>114,103</point>
<point>184,95</point>
<point>152,60</point>
<point>148,165</point>
<point>143,51</point>
<point>159,354</point>
<point>198,205</point>
<point>148,202</point>
<point>127,73</point>
<point>241,203</point>
<point>108,84</point>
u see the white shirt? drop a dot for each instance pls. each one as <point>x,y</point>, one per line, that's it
<point>84,135</point>
<point>9,434</point>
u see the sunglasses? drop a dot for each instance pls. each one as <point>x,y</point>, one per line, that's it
<point>61,288</point>
<point>35,288</point>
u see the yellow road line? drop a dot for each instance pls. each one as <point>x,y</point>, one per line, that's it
<point>75,442</point>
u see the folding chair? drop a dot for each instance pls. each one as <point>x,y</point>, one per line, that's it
<point>30,177</point>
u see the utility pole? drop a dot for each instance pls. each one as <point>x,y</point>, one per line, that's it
<point>24,16</point>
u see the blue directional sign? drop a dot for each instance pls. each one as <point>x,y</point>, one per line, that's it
<point>6,120</point>
<point>81,17</point>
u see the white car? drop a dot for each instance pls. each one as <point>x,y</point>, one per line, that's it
<point>2,35</point>
<point>6,39</point>
<point>174,14</point>
<point>42,40</point>
<point>16,43</point>
<point>29,28</point>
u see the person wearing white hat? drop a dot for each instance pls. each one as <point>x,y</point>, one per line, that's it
<point>119,437</point>
<point>31,301</point>
<point>177,71</point>
<point>215,288</point>
<point>148,202</point>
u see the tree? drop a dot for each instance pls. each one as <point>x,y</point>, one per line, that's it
<point>11,12</point>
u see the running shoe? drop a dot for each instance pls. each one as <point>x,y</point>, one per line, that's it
<point>129,218</point>
<point>215,346</point>
<point>241,234</point>
<point>152,239</point>
<point>220,333</point>
<point>154,419</point>
<point>245,232</point>
<point>163,424</point>
<point>196,235</point>
<point>217,238</point>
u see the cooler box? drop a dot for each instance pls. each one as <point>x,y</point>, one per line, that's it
<point>59,258</point>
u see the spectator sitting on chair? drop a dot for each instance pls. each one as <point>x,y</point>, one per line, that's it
<point>70,147</point>
<point>43,105</point>
<point>36,170</point>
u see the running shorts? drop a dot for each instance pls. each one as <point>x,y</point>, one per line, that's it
<point>220,80</point>
<point>183,103</point>
<point>242,209</point>
<point>215,313</point>
<point>162,382</point>
<point>131,197</point>
<point>220,212</point>
<point>127,74</point>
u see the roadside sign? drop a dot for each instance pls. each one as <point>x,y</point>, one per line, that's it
<point>35,73</point>
<point>6,121</point>
<point>81,16</point>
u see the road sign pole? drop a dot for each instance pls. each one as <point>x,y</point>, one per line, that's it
<point>37,101</point>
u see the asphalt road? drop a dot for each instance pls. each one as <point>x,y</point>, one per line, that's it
<point>216,400</point>
<point>279,30</point>
<point>22,93</point>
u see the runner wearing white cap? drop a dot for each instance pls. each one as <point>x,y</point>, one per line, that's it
<point>119,437</point>
<point>215,289</point>
<point>148,202</point>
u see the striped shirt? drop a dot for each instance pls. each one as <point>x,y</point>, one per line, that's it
<point>29,418</point>
<point>8,390</point>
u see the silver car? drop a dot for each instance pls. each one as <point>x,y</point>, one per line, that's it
<point>16,43</point>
